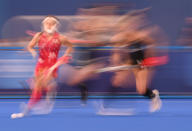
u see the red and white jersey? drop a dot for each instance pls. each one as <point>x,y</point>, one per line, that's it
<point>48,51</point>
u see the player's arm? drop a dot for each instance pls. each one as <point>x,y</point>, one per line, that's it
<point>116,41</point>
<point>32,44</point>
<point>68,44</point>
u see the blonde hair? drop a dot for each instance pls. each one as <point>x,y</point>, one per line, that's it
<point>50,17</point>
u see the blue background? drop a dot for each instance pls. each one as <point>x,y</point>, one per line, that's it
<point>168,14</point>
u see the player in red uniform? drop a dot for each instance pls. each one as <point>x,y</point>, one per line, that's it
<point>49,42</point>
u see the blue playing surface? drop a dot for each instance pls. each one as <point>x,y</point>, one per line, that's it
<point>69,115</point>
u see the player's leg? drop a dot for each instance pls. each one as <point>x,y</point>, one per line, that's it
<point>142,79</point>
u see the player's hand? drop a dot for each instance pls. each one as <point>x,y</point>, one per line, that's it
<point>47,75</point>
<point>50,71</point>
<point>34,54</point>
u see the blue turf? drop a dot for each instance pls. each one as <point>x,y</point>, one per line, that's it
<point>68,115</point>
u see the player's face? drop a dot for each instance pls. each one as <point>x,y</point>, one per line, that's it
<point>49,26</point>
